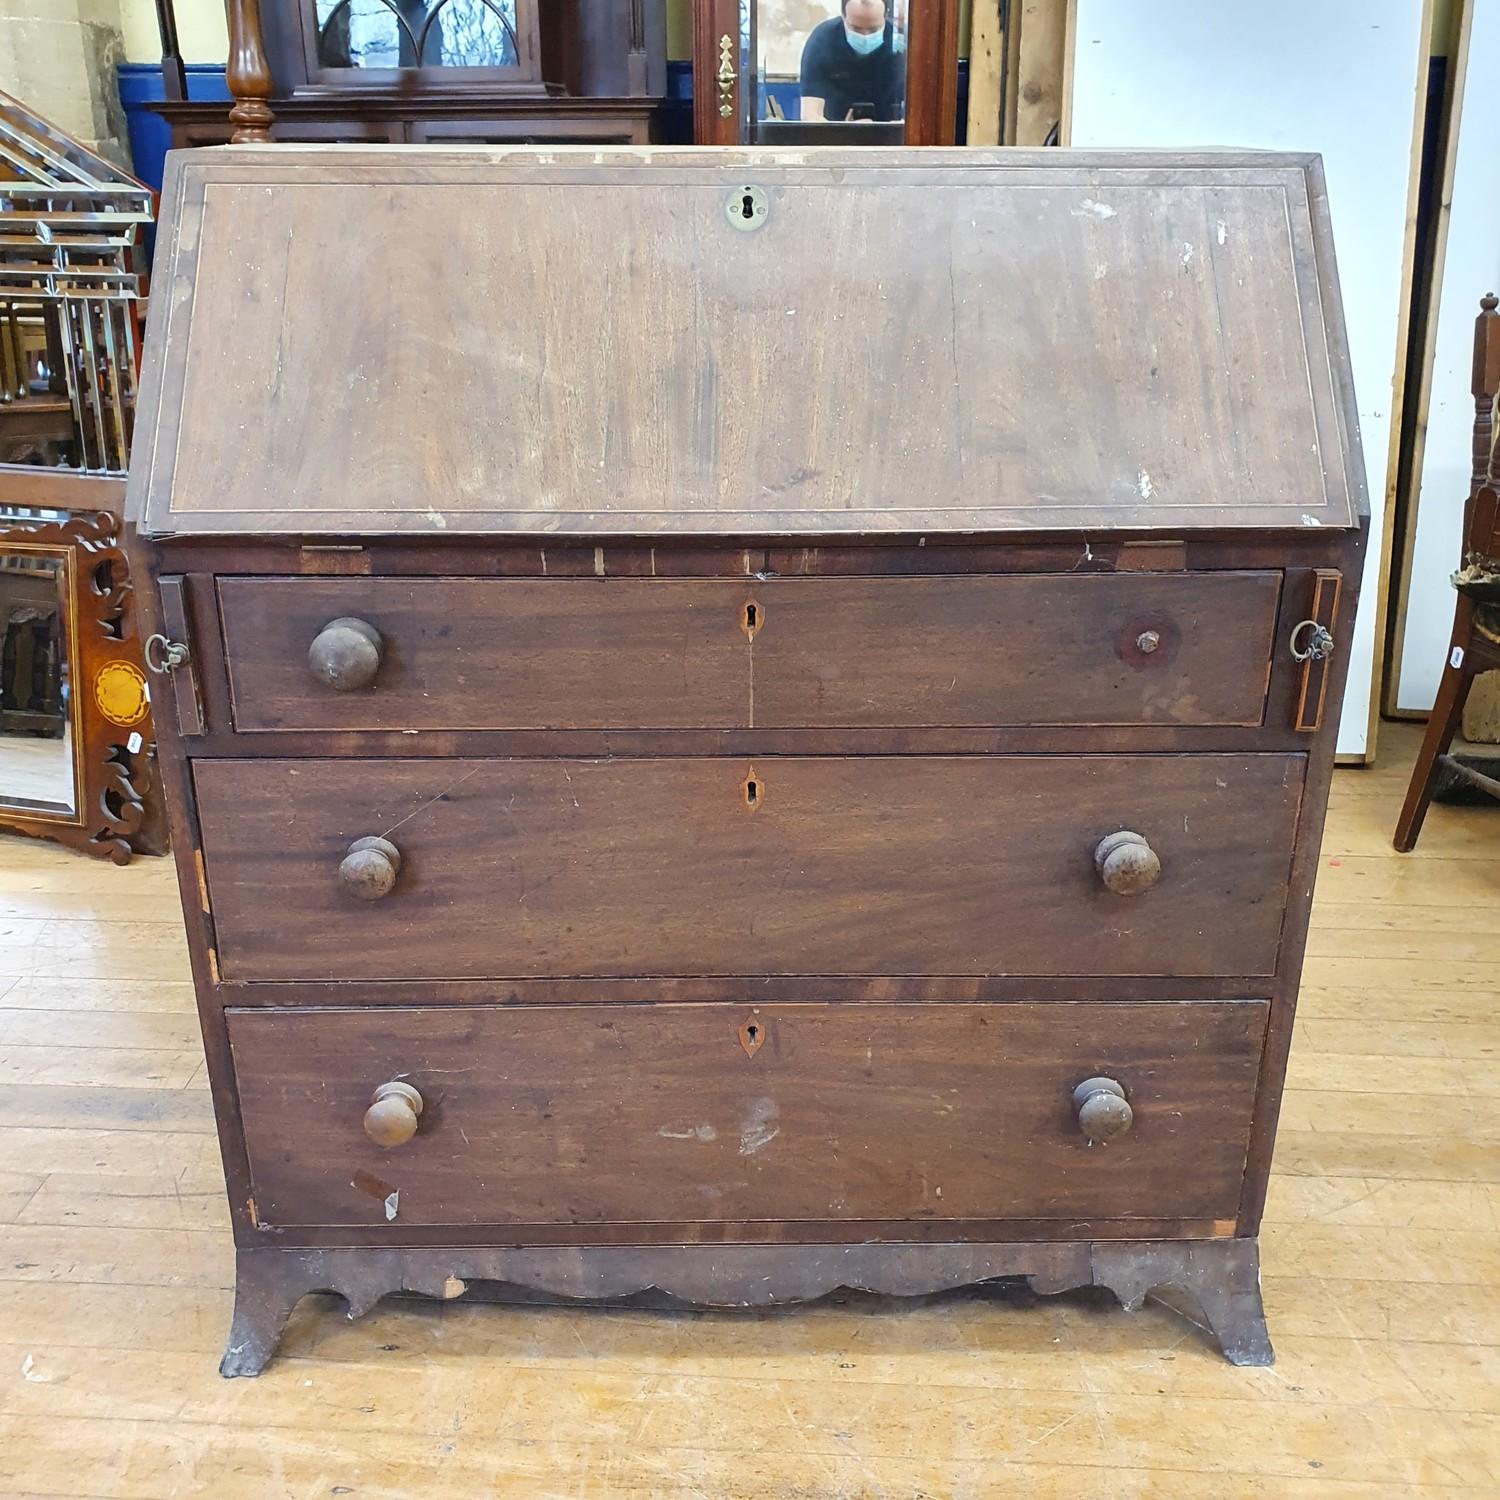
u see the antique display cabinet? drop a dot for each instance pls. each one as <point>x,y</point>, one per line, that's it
<point>426,71</point>
<point>767,731</point>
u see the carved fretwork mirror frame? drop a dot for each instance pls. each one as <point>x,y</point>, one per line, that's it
<point>107,700</point>
<point>721,99</point>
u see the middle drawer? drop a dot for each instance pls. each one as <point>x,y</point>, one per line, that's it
<point>882,865</point>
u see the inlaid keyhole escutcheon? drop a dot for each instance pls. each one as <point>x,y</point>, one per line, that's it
<point>752,1035</point>
<point>752,617</point>
<point>754,790</point>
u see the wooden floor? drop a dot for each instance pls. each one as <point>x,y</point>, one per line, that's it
<point>37,770</point>
<point>1381,1253</point>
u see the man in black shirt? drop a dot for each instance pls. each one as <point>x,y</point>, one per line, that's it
<point>852,66</point>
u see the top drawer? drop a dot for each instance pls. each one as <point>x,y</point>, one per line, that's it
<point>776,653</point>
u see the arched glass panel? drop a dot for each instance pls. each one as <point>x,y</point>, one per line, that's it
<point>387,34</point>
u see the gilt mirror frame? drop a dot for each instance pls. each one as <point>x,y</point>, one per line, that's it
<point>108,701</point>
<point>721,96</point>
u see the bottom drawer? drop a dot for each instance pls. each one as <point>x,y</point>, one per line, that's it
<point>698,1114</point>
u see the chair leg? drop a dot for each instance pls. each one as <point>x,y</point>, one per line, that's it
<point>1453,690</point>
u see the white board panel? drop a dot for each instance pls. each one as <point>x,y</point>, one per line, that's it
<point>1471,267</point>
<point>1339,77</point>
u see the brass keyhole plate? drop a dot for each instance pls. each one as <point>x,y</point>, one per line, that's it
<point>747,208</point>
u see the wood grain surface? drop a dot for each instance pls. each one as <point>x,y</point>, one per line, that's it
<point>785,865</point>
<point>686,377</point>
<point>613,653</point>
<point>493,653</point>
<point>664,1113</point>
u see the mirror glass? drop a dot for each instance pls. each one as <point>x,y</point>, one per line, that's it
<point>416,33</point>
<point>37,761</point>
<point>67,379</point>
<point>828,71</point>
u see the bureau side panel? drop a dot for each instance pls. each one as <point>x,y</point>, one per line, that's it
<point>1301,585</point>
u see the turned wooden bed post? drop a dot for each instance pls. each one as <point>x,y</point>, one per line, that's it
<point>248,74</point>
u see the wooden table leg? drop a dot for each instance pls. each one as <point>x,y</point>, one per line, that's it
<point>1453,690</point>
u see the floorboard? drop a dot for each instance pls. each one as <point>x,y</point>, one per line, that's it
<point>1381,1261</point>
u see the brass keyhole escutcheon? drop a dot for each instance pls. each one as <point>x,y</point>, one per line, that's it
<point>752,1035</point>
<point>754,790</point>
<point>752,617</point>
<point>746,208</point>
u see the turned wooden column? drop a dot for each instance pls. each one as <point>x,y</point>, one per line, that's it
<point>1484,384</point>
<point>248,74</point>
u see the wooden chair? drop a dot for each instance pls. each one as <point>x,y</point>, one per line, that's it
<point>1475,645</point>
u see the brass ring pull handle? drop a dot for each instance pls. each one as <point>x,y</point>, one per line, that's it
<point>369,870</point>
<point>345,654</point>
<point>391,1119</point>
<point>1126,863</point>
<point>163,655</point>
<point>1103,1110</point>
<point>1318,644</point>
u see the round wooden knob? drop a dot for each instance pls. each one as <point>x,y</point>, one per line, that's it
<point>1126,863</point>
<point>345,654</point>
<point>391,1119</point>
<point>1103,1110</point>
<point>369,869</point>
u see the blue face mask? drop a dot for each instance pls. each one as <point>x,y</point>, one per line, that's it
<point>864,42</point>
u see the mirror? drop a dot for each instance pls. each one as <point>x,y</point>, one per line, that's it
<point>38,740</point>
<point>826,71</point>
<point>75,709</point>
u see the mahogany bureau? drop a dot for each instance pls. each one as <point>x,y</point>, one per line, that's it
<point>746,723</point>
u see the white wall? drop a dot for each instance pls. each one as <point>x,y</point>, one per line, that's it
<point>1471,267</point>
<point>202,32</point>
<point>1340,77</point>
